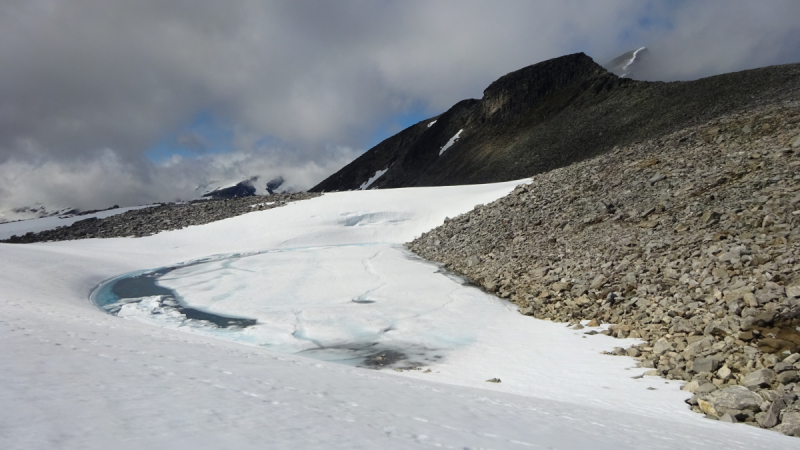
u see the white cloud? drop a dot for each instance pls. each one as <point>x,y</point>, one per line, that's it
<point>107,180</point>
<point>81,77</point>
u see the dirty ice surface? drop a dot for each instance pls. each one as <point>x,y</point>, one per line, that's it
<point>330,270</point>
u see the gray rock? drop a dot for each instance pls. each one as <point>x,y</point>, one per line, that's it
<point>789,376</point>
<point>790,423</point>
<point>656,178</point>
<point>662,346</point>
<point>707,364</point>
<point>783,366</point>
<point>771,416</point>
<point>598,281</point>
<point>717,328</point>
<point>691,386</point>
<point>793,290</point>
<point>634,352</point>
<point>728,418</point>
<point>697,347</point>
<point>724,373</point>
<point>682,326</point>
<point>769,395</point>
<point>733,400</point>
<point>793,358</point>
<point>705,388</point>
<point>759,378</point>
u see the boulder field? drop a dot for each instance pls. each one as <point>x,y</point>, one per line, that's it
<point>689,242</point>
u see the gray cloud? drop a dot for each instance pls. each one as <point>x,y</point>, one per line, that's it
<point>89,86</point>
<point>107,179</point>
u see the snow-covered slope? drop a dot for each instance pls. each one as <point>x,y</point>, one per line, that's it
<point>75,377</point>
<point>630,63</point>
<point>48,223</point>
<point>32,212</point>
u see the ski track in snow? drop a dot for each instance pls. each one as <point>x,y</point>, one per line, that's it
<point>73,377</point>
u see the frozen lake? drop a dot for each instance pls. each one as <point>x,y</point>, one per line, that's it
<point>329,287</point>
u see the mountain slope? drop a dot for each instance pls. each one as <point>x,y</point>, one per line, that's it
<point>628,64</point>
<point>550,115</point>
<point>689,242</point>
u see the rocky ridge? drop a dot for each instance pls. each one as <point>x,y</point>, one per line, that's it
<point>690,242</point>
<point>164,217</point>
<point>550,115</point>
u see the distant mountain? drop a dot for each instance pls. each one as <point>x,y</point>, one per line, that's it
<point>34,212</point>
<point>550,115</point>
<point>246,188</point>
<point>241,189</point>
<point>274,185</point>
<point>214,189</point>
<point>629,64</point>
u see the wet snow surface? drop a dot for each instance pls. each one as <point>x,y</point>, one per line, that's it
<point>330,288</point>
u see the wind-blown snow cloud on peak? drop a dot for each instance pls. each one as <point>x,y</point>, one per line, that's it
<point>85,79</point>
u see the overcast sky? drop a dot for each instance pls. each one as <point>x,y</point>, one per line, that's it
<point>120,101</point>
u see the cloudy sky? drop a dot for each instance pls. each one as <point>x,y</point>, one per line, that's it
<point>127,102</point>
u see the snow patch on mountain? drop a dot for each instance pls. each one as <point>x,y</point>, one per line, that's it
<point>450,142</point>
<point>631,61</point>
<point>365,185</point>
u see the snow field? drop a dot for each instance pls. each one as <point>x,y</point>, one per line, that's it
<point>79,378</point>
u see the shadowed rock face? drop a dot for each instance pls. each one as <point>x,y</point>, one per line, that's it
<point>550,115</point>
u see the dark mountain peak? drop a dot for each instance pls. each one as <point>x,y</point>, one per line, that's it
<point>550,115</point>
<point>530,85</point>
<point>547,74</point>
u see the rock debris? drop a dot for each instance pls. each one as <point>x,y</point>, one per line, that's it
<point>689,242</point>
<point>163,217</point>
